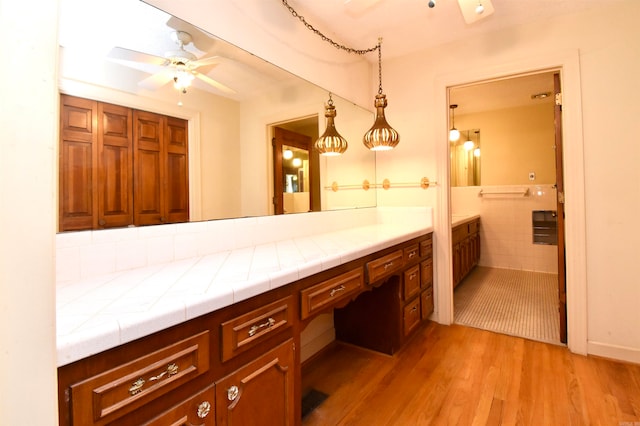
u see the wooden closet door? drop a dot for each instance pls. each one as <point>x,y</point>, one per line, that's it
<point>149,168</point>
<point>115,183</point>
<point>77,206</point>
<point>177,193</point>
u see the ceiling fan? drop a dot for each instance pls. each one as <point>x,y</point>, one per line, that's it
<point>177,65</point>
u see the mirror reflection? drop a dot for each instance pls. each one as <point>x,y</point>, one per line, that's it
<point>231,100</point>
<point>465,159</point>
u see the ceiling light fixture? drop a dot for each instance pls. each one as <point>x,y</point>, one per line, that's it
<point>454,134</point>
<point>182,78</point>
<point>331,143</point>
<point>381,136</point>
<point>468,145</point>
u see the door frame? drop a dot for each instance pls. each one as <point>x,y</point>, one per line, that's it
<point>568,64</point>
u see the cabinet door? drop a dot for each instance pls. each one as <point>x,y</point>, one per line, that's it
<point>261,392</point>
<point>115,166</point>
<point>150,157</point>
<point>78,163</point>
<point>177,173</point>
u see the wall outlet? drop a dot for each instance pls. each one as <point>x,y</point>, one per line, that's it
<point>532,175</point>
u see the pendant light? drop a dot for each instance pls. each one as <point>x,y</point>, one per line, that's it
<point>381,136</point>
<point>454,134</point>
<point>468,145</point>
<point>330,143</point>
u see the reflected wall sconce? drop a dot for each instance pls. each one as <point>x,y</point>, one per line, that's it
<point>381,136</point>
<point>454,134</point>
<point>331,143</point>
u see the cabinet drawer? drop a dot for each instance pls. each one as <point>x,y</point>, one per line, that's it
<point>245,331</point>
<point>197,410</point>
<point>107,396</point>
<point>411,317</point>
<point>459,233</point>
<point>473,227</point>
<point>384,266</point>
<point>411,284</point>
<point>411,253</point>
<point>327,293</point>
<point>426,303</point>
<point>426,273</point>
<point>426,247</point>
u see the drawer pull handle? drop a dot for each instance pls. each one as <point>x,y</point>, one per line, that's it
<point>136,387</point>
<point>267,324</point>
<point>414,310</point>
<point>337,290</point>
<point>388,265</point>
<point>170,371</point>
<point>412,276</point>
<point>412,254</point>
<point>203,409</point>
<point>232,393</point>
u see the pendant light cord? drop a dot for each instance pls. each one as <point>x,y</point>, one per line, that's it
<point>327,39</point>
<point>379,47</point>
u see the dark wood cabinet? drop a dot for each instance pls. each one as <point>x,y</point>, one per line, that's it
<point>239,364</point>
<point>120,167</point>
<point>261,392</point>
<point>465,248</point>
<point>399,298</point>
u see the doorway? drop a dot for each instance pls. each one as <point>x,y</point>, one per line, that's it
<point>515,288</point>
<point>296,166</point>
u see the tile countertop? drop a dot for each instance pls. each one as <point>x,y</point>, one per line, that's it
<point>99,313</point>
<point>459,219</point>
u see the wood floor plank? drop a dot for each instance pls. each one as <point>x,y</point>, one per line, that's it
<point>455,375</point>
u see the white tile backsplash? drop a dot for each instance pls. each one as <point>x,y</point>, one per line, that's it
<point>506,230</point>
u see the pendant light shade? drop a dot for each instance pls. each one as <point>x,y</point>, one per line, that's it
<point>331,143</point>
<point>381,136</point>
<point>454,134</point>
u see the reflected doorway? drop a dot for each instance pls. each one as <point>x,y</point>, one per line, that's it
<point>296,174</point>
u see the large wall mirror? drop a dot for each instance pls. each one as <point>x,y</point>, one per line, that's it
<point>113,51</point>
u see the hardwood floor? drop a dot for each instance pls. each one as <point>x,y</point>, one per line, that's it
<point>457,375</point>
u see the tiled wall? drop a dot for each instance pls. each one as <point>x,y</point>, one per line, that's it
<point>506,230</point>
<point>84,254</point>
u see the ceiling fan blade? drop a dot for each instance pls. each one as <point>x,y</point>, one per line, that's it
<point>201,40</point>
<point>212,60</point>
<point>120,53</point>
<point>214,83</point>
<point>156,80</point>
<point>469,13</point>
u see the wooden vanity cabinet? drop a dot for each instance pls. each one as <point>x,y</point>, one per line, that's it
<point>383,317</point>
<point>465,248</point>
<point>240,364</point>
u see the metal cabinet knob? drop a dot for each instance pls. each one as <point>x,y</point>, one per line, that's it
<point>204,409</point>
<point>232,393</point>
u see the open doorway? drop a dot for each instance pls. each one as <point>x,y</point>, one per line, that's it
<point>503,170</point>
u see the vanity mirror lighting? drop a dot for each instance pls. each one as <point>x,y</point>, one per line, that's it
<point>112,52</point>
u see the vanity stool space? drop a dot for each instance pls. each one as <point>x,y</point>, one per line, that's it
<point>242,362</point>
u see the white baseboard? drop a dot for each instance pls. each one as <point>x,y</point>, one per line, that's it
<point>620,353</point>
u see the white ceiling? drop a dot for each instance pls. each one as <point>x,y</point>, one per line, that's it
<point>404,25</point>
<point>410,25</point>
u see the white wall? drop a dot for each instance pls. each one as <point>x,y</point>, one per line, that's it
<point>609,66</point>
<point>606,38</point>
<point>28,129</point>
